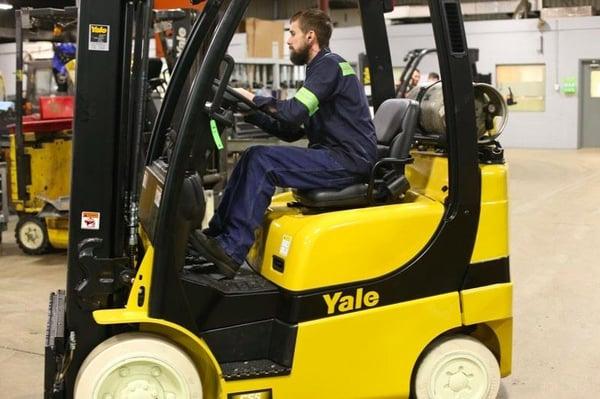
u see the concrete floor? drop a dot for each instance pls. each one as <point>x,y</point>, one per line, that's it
<point>555,253</point>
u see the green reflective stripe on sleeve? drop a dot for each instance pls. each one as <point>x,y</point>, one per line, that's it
<point>215,133</point>
<point>308,99</point>
<point>347,69</point>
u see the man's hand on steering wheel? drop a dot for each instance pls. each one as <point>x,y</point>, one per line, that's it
<point>245,93</point>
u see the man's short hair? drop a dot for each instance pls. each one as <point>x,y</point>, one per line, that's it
<point>316,20</point>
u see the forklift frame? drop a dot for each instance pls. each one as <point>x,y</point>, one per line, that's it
<point>100,268</point>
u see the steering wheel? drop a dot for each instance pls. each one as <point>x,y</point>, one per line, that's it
<point>236,101</point>
<point>233,100</point>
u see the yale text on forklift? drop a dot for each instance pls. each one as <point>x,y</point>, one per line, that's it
<point>347,303</point>
<point>99,29</point>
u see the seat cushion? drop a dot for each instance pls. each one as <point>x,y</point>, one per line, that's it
<point>348,197</point>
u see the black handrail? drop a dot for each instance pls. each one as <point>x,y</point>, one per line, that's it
<point>181,71</point>
<point>194,127</point>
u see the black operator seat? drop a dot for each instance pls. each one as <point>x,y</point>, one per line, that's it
<point>395,124</point>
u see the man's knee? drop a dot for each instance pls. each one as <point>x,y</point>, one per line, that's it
<point>257,157</point>
<point>260,159</point>
<point>257,151</point>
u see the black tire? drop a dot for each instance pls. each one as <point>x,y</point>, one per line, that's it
<point>31,235</point>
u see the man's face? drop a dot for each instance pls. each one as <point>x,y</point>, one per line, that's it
<point>298,44</point>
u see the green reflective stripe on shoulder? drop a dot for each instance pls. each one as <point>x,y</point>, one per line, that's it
<point>308,99</point>
<point>347,69</point>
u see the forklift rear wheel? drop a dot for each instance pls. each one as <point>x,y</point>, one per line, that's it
<point>458,367</point>
<point>137,365</point>
<point>31,235</point>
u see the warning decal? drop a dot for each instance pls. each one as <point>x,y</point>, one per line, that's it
<point>90,220</point>
<point>99,37</point>
<point>286,242</point>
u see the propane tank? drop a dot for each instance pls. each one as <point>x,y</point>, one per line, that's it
<point>491,111</point>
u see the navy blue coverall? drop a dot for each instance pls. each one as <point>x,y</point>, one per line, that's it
<point>342,148</point>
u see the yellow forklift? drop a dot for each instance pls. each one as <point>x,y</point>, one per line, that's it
<point>40,143</point>
<point>395,288</point>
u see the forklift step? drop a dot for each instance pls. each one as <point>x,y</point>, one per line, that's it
<point>225,302</point>
<point>253,369</point>
<point>246,281</point>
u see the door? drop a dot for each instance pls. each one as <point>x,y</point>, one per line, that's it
<point>589,96</point>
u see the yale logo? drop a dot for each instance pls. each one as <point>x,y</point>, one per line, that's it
<point>347,303</point>
<point>99,29</point>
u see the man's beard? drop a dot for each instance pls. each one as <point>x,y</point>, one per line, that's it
<point>299,57</point>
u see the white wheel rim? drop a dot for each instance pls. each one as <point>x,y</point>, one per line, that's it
<point>137,365</point>
<point>459,375</point>
<point>31,235</point>
<point>140,378</point>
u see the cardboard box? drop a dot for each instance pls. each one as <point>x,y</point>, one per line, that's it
<point>260,35</point>
<point>561,12</point>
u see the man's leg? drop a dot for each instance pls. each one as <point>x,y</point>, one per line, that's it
<point>249,193</point>
<point>219,219</point>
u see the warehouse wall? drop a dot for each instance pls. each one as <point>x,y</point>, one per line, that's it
<point>566,41</point>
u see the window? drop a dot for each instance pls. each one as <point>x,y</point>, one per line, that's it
<point>523,86</point>
<point>595,84</point>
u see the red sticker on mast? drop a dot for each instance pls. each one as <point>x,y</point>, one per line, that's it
<point>90,220</point>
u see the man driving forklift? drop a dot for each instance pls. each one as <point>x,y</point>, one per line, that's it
<point>333,109</point>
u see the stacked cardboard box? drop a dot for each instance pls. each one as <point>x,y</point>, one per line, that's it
<point>260,35</point>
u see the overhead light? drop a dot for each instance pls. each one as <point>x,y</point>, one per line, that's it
<point>4,5</point>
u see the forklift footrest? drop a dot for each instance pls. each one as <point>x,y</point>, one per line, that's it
<point>253,369</point>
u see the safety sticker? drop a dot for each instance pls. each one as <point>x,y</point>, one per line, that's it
<point>157,196</point>
<point>262,394</point>
<point>99,39</point>
<point>286,242</point>
<point>90,220</point>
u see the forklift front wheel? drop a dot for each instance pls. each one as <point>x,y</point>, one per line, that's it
<point>31,235</point>
<point>137,365</point>
<point>458,366</point>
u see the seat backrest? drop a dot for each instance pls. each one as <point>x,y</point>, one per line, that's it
<point>400,147</point>
<point>390,119</point>
<point>395,125</point>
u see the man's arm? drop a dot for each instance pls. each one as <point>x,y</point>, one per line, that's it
<point>319,85</point>
<point>283,131</point>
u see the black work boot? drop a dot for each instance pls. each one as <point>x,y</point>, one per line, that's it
<point>215,254</point>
